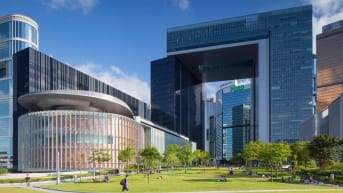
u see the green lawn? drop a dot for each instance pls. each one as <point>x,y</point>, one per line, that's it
<point>194,180</point>
<point>17,190</point>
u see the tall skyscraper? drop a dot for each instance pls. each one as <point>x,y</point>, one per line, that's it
<point>233,119</point>
<point>329,64</point>
<point>16,33</point>
<point>273,48</point>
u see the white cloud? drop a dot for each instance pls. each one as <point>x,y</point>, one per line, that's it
<point>325,12</point>
<point>84,5</point>
<point>182,4</point>
<point>211,90</point>
<point>128,83</point>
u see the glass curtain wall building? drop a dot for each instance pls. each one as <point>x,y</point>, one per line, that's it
<point>69,125</point>
<point>35,72</point>
<point>233,119</point>
<point>74,135</point>
<point>16,33</point>
<point>273,48</point>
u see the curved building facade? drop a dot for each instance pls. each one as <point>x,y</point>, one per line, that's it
<point>16,33</point>
<point>73,134</point>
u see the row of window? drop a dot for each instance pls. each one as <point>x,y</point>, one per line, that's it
<point>18,29</point>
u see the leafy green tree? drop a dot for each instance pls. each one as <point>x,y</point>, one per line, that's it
<point>126,155</point>
<point>185,154</point>
<point>322,149</point>
<point>251,151</point>
<point>150,155</point>
<point>205,157</point>
<point>300,153</point>
<point>237,159</point>
<point>201,158</point>
<point>274,154</point>
<point>197,156</point>
<point>99,156</point>
<point>170,155</point>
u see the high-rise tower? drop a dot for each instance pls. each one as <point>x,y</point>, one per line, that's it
<point>16,33</point>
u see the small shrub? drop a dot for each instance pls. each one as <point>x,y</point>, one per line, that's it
<point>3,170</point>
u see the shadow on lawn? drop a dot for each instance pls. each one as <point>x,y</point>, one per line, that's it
<point>201,180</point>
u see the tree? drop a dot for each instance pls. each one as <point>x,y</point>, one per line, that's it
<point>300,153</point>
<point>274,154</point>
<point>322,149</point>
<point>170,155</point>
<point>237,159</point>
<point>201,157</point>
<point>185,154</point>
<point>126,155</point>
<point>99,156</point>
<point>150,155</point>
<point>251,151</point>
<point>205,157</point>
<point>197,156</point>
<point>80,158</point>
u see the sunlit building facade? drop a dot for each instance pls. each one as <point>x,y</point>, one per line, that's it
<point>329,64</point>
<point>35,72</point>
<point>69,125</point>
<point>16,33</point>
<point>273,49</point>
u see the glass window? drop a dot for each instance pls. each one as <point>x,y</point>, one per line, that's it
<point>4,50</point>
<point>5,87</point>
<point>5,108</point>
<point>5,145</point>
<point>4,30</point>
<point>5,127</point>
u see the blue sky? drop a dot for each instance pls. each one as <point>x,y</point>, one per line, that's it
<point>115,40</point>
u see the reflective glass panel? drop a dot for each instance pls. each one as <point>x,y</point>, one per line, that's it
<point>5,125</point>
<point>5,88</point>
<point>5,108</point>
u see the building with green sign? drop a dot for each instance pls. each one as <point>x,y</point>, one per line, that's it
<point>232,119</point>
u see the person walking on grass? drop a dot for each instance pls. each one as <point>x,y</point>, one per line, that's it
<point>27,180</point>
<point>125,184</point>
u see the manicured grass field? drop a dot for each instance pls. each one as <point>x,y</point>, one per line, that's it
<point>17,190</point>
<point>194,180</point>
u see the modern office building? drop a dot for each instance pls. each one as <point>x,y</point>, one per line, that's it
<point>273,48</point>
<point>232,119</point>
<point>65,126</point>
<point>35,72</point>
<point>61,110</point>
<point>328,121</point>
<point>209,135</point>
<point>16,33</point>
<point>329,64</point>
<point>160,137</point>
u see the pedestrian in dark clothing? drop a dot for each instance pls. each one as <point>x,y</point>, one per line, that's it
<point>125,184</point>
<point>27,180</point>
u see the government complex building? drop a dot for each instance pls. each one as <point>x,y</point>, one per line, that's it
<point>48,108</point>
<point>273,49</point>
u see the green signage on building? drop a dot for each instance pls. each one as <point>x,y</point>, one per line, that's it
<point>236,88</point>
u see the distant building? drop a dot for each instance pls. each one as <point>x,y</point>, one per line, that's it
<point>232,118</point>
<point>209,136</point>
<point>241,130</point>
<point>328,121</point>
<point>329,64</point>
